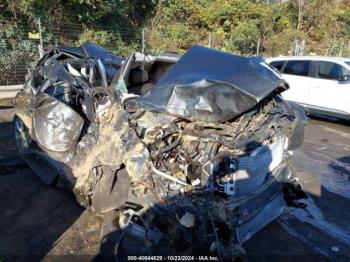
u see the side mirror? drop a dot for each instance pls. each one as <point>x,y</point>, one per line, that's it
<point>344,78</point>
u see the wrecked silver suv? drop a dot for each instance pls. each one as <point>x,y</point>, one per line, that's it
<point>190,153</point>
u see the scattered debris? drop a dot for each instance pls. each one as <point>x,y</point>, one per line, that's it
<point>187,220</point>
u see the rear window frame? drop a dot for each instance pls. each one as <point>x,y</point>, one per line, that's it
<point>316,62</point>
<point>309,73</point>
<point>282,67</point>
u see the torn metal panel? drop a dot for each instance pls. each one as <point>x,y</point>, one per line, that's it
<point>118,144</point>
<point>63,100</point>
<point>297,137</point>
<point>116,183</point>
<point>269,212</point>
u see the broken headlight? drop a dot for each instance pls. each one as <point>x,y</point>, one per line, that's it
<point>236,176</point>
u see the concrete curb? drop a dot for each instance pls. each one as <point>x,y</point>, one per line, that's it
<point>6,115</point>
<point>10,91</point>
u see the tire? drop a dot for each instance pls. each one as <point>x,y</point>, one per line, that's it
<point>22,137</point>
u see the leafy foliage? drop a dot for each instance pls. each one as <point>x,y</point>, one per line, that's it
<point>110,40</point>
<point>232,25</point>
<point>237,25</point>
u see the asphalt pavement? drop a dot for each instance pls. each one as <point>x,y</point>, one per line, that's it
<point>321,231</point>
<point>42,223</point>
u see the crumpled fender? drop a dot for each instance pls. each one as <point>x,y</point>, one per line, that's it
<point>297,137</point>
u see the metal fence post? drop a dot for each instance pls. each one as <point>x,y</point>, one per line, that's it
<point>41,46</point>
<point>258,47</point>
<point>341,48</point>
<point>209,40</point>
<point>143,40</point>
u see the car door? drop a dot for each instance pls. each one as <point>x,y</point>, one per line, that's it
<point>330,90</point>
<point>296,73</point>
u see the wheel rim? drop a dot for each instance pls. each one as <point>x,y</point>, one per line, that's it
<point>21,136</point>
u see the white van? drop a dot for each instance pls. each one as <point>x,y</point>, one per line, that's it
<point>321,84</point>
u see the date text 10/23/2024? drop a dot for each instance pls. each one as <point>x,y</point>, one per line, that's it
<point>173,258</point>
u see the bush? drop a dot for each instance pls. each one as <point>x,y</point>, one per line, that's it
<point>109,40</point>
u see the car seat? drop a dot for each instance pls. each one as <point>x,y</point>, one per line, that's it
<point>138,82</point>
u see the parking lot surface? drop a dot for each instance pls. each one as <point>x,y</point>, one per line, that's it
<point>38,222</point>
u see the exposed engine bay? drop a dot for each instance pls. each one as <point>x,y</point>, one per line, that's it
<point>186,164</point>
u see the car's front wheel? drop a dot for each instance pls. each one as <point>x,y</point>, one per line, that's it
<point>22,137</point>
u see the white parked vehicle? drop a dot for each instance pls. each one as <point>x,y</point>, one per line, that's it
<point>320,84</point>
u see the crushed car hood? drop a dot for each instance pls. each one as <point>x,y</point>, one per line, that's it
<point>212,86</point>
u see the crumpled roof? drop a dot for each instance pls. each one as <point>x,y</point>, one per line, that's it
<point>54,63</point>
<point>212,86</point>
<point>90,50</point>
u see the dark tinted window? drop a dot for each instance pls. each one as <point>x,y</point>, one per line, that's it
<point>300,68</point>
<point>332,71</point>
<point>277,64</point>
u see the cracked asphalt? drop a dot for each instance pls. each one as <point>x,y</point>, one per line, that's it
<point>42,223</point>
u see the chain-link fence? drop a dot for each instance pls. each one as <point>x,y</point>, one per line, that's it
<point>19,43</point>
<point>17,53</point>
<point>180,39</point>
<point>15,67</point>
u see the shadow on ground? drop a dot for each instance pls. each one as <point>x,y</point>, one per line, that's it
<point>37,221</point>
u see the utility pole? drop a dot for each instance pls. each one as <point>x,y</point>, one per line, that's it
<point>209,40</point>
<point>258,47</point>
<point>41,46</point>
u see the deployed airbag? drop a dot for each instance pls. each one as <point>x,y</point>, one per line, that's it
<point>57,126</point>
